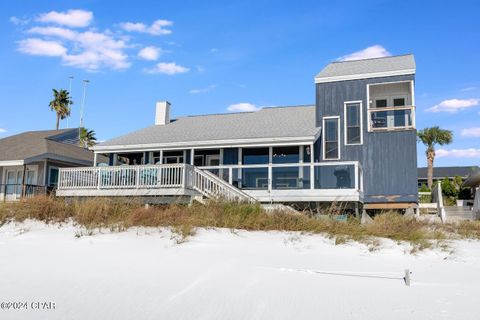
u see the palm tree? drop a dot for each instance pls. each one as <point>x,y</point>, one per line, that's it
<point>431,137</point>
<point>61,104</point>
<point>87,138</point>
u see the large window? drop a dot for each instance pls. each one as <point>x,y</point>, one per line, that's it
<point>286,154</point>
<point>255,155</point>
<point>331,139</point>
<point>353,123</point>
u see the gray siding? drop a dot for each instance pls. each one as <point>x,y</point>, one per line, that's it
<point>389,159</point>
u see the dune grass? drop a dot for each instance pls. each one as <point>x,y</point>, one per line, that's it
<point>118,215</point>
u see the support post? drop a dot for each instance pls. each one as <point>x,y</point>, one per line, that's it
<point>23,181</point>
<point>94,159</point>
<point>406,278</point>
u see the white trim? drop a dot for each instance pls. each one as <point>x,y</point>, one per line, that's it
<point>345,122</point>
<point>208,144</point>
<point>9,163</point>
<point>338,137</point>
<point>365,76</point>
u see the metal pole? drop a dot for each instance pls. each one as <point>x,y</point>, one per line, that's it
<point>82,107</point>
<point>70,93</point>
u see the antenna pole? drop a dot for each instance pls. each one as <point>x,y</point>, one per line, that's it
<point>82,107</point>
<point>70,93</point>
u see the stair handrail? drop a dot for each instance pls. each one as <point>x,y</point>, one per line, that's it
<point>234,192</point>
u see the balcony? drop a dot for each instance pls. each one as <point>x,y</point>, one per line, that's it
<point>391,106</point>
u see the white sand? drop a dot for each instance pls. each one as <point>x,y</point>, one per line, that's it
<point>144,274</point>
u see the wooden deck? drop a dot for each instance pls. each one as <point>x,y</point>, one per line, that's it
<point>184,180</point>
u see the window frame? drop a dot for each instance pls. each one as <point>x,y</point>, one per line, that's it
<point>345,127</point>
<point>338,137</point>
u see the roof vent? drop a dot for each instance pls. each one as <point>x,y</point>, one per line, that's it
<point>162,114</point>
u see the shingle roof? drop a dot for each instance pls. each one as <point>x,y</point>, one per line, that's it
<point>32,144</point>
<point>442,172</point>
<point>403,63</point>
<point>274,122</point>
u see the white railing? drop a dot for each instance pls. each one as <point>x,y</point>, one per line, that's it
<point>385,119</point>
<point>213,187</point>
<point>306,175</point>
<point>124,177</point>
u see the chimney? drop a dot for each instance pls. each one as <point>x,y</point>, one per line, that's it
<point>162,114</point>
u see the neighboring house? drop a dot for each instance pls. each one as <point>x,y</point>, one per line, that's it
<point>440,173</point>
<point>29,161</point>
<point>357,144</point>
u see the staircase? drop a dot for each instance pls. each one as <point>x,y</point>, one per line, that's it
<point>212,187</point>
<point>454,213</point>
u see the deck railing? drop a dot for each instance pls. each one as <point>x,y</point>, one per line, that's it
<point>228,182</point>
<point>123,177</point>
<point>324,175</point>
<point>212,186</point>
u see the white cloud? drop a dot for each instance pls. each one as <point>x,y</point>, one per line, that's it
<point>203,90</point>
<point>157,28</point>
<point>2,130</point>
<point>149,53</point>
<point>454,105</point>
<point>19,21</point>
<point>376,51</point>
<point>458,153</point>
<point>243,107</point>
<point>468,89</point>
<point>169,68</point>
<point>54,32</point>
<point>71,18</point>
<point>471,132</point>
<point>41,47</point>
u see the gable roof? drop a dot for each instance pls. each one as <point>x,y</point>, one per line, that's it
<point>450,172</point>
<point>36,145</point>
<point>276,123</point>
<point>367,68</point>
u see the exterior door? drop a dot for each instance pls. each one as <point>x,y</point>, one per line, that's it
<point>13,184</point>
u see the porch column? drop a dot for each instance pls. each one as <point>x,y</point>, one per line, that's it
<point>312,168</point>
<point>192,156</point>
<point>239,171</point>
<point>23,181</point>
<point>300,167</point>
<point>94,159</point>
<point>161,156</point>
<point>270,160</point>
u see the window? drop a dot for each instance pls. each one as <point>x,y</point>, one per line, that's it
<point>381,103</point>
<point>53,177</point>
<point>286,154</point>
<point>255,155</point>
<point>399,102</point>
<point>353,123</point>
<point>331,141</point>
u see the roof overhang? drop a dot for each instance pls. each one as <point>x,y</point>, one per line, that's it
<point>365,76</point>
<point>9,163</point>
<point>473,180</point>
<point>209,144</point>
<point>57,157</point>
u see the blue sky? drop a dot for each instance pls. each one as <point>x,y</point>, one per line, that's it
<point>209,58</point>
